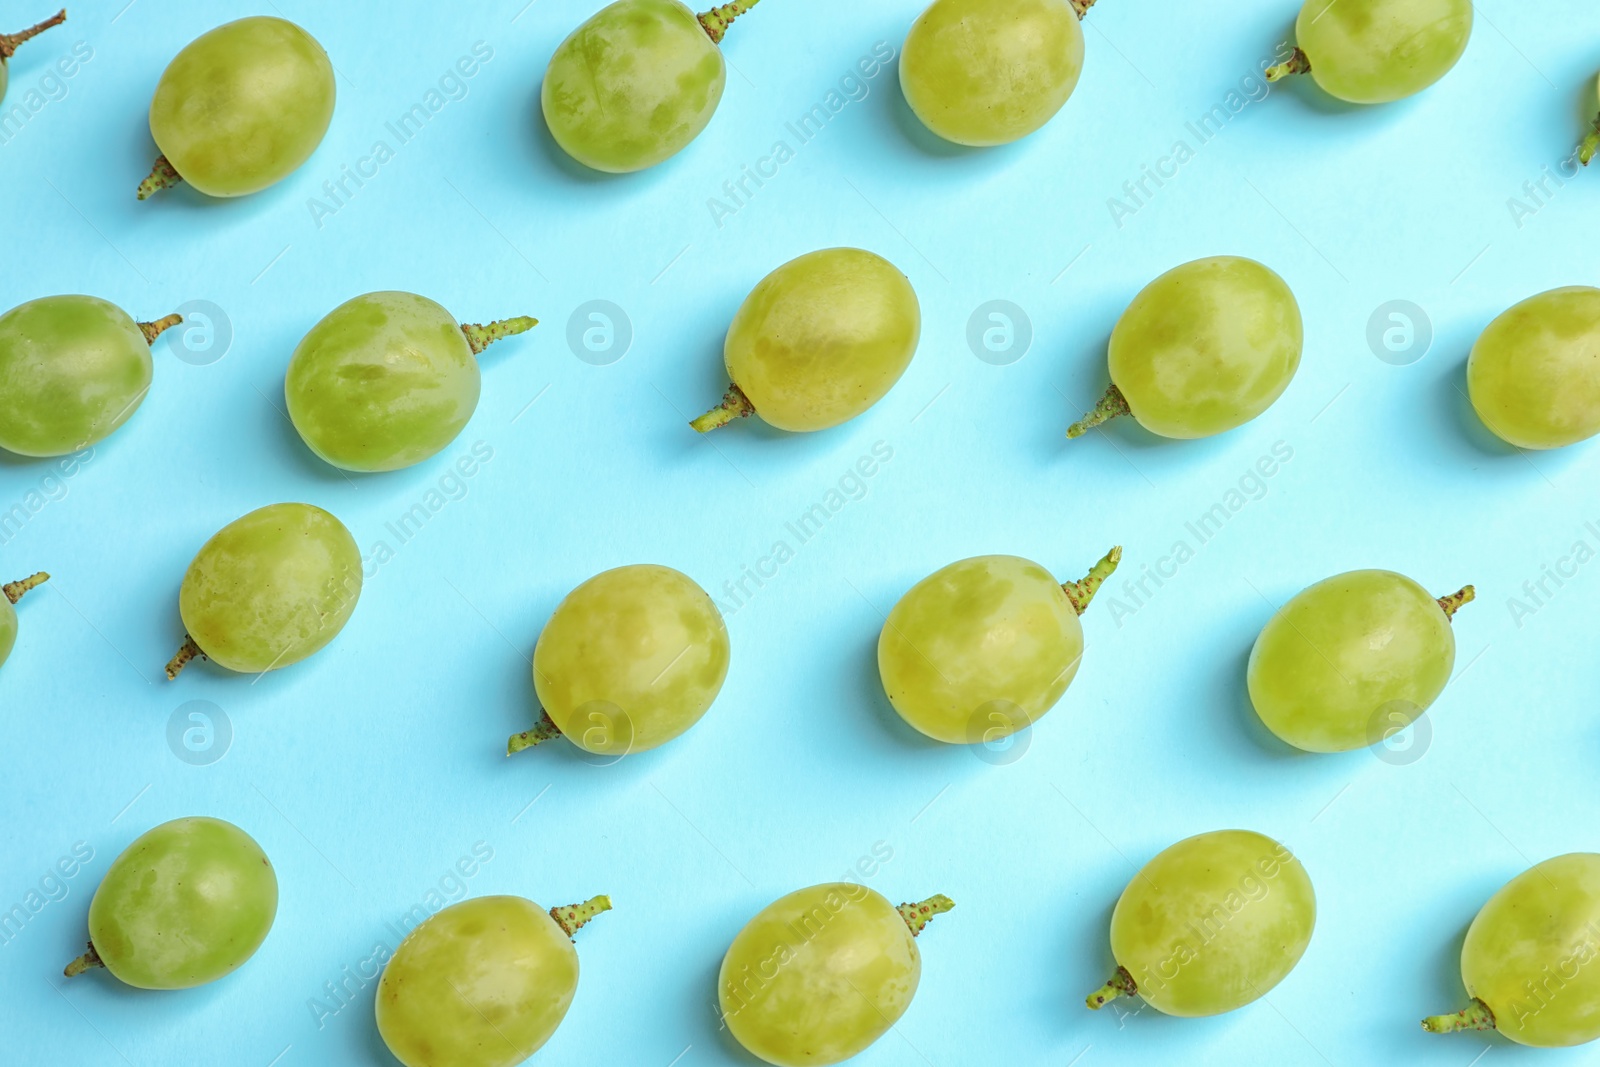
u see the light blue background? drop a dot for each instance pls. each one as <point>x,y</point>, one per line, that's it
<point>367,772</point>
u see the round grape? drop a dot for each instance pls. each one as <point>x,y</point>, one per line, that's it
<point>631,658</point>
<point>187,903</point>
<point>386,380</point>
<point>822,973</point>
<point>72,370</point>
<point>8,615</point>
<point>1375,51</point>
<point>10,41</point>
<point>269,589</point>
<point>1353,659</point>
<point>240,108</point>
<point>985,647</point>
<point>637,82</point>
<point>989,72</point>
<point>1532,375</point>
<point>483,983</point>
<point>1204,348</point>
<point>1529,960</point>
<point>1210,924</point>
<point>818,341</point>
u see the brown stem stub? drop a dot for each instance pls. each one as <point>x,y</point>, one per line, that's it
<point>544,730</point>
<point>162,176</point>
<point>735,405</point>
<point>86,962</point>
<point>1452,603</point>
<point>1120,985</point>
<point>1082,7</point>
<point>9,41</point>
<point>152,330</point>
<point>1297,63</point>
<point>15,590</point>
<point>188,652</point>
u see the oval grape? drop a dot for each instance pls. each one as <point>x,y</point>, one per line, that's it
<point>387,380</point>
<point>1376,51</point>
<point>985,647</point>
<point>1203,349</point>
<point>72,370</point>
<point>1531,960</point>
<point>818,341</point>
<point>13,592</point>
<point>240,108</point>
<point>483,983</point>
<point>630,659</point>
<point>1353,659</point>
<point>819,975</point>
<point>269,589</point>
<point>1210,924</point>
<point>187,903</point>
<point>989,72</point>
<point>1532,375</point>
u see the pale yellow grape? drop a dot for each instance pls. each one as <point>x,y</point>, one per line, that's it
<point>819,975</point>
<point>1210,924</point>
<point>1203,349</point>
<point>989,72</point>
<point>984,647</point>
<point>1351,659</point>
<point>819,341</point>
<point>10,593</point>
<point>1531,960</point>
<point>1534,374</point>
<point>1375,51</point>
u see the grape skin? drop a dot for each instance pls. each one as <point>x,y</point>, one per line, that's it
<point>483,983</point>
<point>187,903</point>
<point>72,370</point>
<point>1212,923</point>
<point>630,659</point>
<point>818,975</point>
<point>1358,651</point>
<point>1532,956</point>
<point>243,105</point>
<point>271,588</point>
<point>1376,51</point>
<point>1532,374</point>
<point>990,72</point>
<point>10,594</point>
<point>632,86</point>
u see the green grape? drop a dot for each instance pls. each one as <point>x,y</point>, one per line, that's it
<point>8,615</point>
<point>72,369</point>
<point>1210,924</point>
<point>10,41</point>
<point>637,82</point>
<point>631,659</point>
<point>984,647</point>
<point>269,589</point>
<point>1531,960</point>
<point>240,108</point>
<point>187,903</point>
<point>1591,141</point>
<point>483,983</point>
<point>818,341</point>
<point>1353,659</point>
<point>1204,348</point>
<point>989,72</point>
<point>1532,374</point>
<point>387,379</point>
<point>1375,51</point>
<point>822,973</point>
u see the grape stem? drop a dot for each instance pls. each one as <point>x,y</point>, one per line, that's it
<point>542,732</point>
<point>1452,603</point>
<point>86,962</point>
<point>735,405</point>
<point>9,41</point>
<point>1475,1016</point>
<point>1111,405</point>
<point>1591,143</point>
<point>918,916</point>
<point>1081,593</point>
<point>152,330</point>
<point>716,21</point>
<point>188,652</point>
<point>15,590</point>
<point>1298,63</point>
<point>573,917</point>
<point>1082,7</point>
<point>480,337</point>
<point>1120,985</point>
<point>162,176</point>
